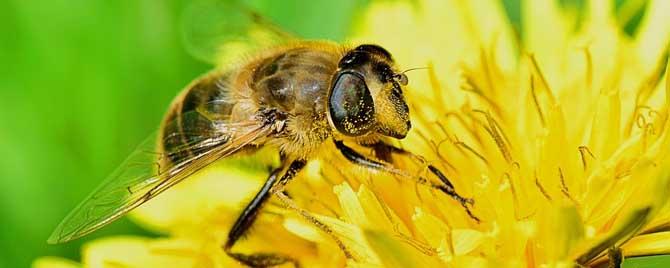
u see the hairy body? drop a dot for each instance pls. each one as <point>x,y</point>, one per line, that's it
<point>295,98</point>
<point>293,79</point>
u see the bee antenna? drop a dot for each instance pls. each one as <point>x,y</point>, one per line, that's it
<point>412,69</point>
<point>402,78</point>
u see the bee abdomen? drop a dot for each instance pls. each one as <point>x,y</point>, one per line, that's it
<point>192,117</point>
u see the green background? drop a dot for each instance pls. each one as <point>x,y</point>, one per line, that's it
<point>82,82</point>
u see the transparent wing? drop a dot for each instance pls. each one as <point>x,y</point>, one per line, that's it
<point>145,174</point>
<point>219,31</point>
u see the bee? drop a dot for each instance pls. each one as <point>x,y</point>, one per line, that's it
<point>297,98</point>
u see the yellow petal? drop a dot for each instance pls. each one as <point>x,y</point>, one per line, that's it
<point>537,17</point>
<point>560,230</point>
<point>472,262</point>
<point>654,33</point>
<point>353,211</point>
<point>303,229</point>
<point>54,262</point>
<point>625,229</point>
<point>379,216</point>
<point>605,134</point>
<point>353,238</point>
<point>431,228</point>
<point>465,240</point>
<point>394,253</point>
<point>210,193</point>
<point>649,244</point>
<point>133,252</point>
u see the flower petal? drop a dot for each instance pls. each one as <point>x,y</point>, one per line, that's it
<point>54,262</point>
<point>465,240</point>
<point>627,228</point>
<point>649,244</point>
<point>654,33</point>
<point>353,211</point>
<point>560,230</point>
<point>208,193</point>
<point>352,237</point>
<point>431,228</point>
<point>132,252</point>
<point>394,253</point>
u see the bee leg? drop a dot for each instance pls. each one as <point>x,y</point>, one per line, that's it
<point>615,257</point>
<point>289,203</point>
<point>247,218</point>
<point>445,187</point>
<point>386,150</point>
<point>278,190</point>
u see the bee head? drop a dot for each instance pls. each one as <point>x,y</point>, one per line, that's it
<point>366,94</point>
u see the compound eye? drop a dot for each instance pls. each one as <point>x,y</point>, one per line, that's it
<point>351,108</point>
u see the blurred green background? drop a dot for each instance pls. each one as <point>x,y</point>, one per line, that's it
<point>82,82</point>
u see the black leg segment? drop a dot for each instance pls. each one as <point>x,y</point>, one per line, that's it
<point>357,158</point>
<point>385,151</point>
<point>250,212</point>
<point>249,215</point>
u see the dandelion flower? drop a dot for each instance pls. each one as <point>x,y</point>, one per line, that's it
<point>559,136</point>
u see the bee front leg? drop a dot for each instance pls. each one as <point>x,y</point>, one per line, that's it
<point>247,218</point>
<point>384,151</point>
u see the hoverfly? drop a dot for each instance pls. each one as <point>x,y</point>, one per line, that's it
<point>296,97</point>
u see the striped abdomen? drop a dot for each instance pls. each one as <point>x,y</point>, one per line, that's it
<point>191,117</point>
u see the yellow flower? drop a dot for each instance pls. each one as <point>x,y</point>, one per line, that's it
<point>560,136</point>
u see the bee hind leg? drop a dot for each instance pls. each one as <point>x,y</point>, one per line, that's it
<point>384,151</point>
<point>244,222</point>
